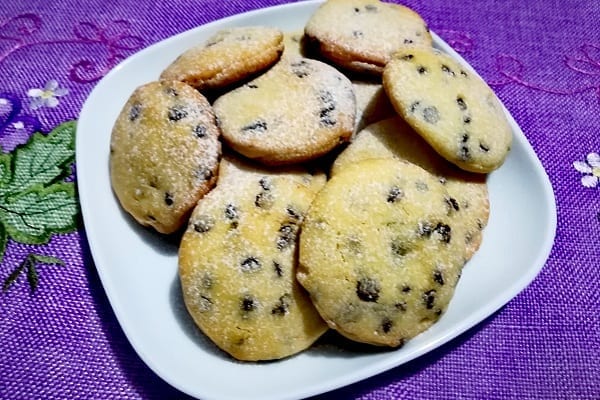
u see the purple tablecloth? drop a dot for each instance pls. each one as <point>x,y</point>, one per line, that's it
<point>59,337</point>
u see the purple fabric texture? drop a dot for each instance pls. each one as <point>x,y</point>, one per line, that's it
<point>541,57</point>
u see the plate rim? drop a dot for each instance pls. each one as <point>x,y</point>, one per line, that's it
<point>467,323</point>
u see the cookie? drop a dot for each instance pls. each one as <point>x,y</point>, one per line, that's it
<point>468,201</point>
<point>452,109</point>
<point>237,263</point>
<point>298,110</point>
<point>164,153</point>
<point>375,252</point>
<point>362,35</point>
<point>229,56</point>
<point>372,103</point>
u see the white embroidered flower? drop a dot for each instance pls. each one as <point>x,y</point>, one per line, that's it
<point>591,170</point>
<point>46,97</point>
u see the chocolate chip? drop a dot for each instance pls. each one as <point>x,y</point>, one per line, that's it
<point>464,153</point>
<point>287,236</point>
<point>177,113</point>
<point>447,70</point>
<point>300,68</point>
<point>461,103</point>
<point>264,183</point>
<point>278,269</point>
<point>282,307</point>
<point>327,108</point>
<point>251,86</point>
<point>429,298</point>
<point>407,57</point>
<point>250,264</point>
<point>357,34</point>
<point>463,73</point>
<point>248,303</point>
<point>421,70</point>
<point>406,289</point>
<point>200,131</point>
<point>258,126</point>
<point>264,200</point>
<point>204,223</point>
<point>464,138</point>
<point>425,229</point>
<point>438,277</point>
<point>171,92</point>
<point>386,325</point>
<point>467,119</point>
<point>452,204</point>
<point>484,147</point>
<point>295,215</point>
<point>356,10</point>
<point>408,41</point>
<point>400,306</point>
<point>231,212</point>
<point>444,231</point>
<point>414,106</point>
<point>135,111</point>
<point>204,173</point>
<point>394,194</point>
<point>368,289</point>
<point>431,114</point>
<point>168,199</point>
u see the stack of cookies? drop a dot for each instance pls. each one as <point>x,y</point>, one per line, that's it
<point>331,178</point>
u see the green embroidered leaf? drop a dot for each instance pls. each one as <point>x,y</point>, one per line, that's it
<point>32,217</point>
<point>32,275</point>
<point>40,258</point>
<point>5,174</point>
<point>35,202</point>
<point>3,241</point>
<point>10,279</point>
<point>29,265</point>
<point>42,160</point>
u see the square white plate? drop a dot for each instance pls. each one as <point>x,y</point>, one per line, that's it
<point>138,269</point>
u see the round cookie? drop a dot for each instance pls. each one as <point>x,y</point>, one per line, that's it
<point>453,110</point>
<point>468,201</point>
<point>237,263</point>
<point>164,153</point>
<point>375,254</point>
<point>227,57</point>
<point>297,111</point>
<point>362,35</point>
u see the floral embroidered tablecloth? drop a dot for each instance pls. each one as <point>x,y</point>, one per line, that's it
<point>59,337</point>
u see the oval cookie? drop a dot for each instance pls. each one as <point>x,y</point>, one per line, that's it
<point>297,111</point>
<point>164,153</point>
<point>453,110</point>
<point>229,56</point>
<point>468,201</point>
<point>362,35</point>
<point>375,254</point>
<point>237,264</point>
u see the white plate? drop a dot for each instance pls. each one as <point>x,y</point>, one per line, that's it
<point>138,269</point>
